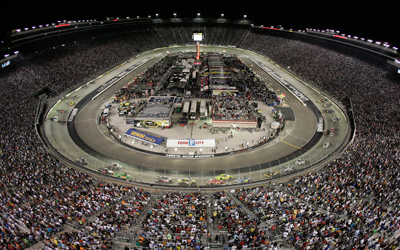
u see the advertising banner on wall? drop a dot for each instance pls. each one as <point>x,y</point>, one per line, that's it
<point>145,136</point>
<point>191,143</point>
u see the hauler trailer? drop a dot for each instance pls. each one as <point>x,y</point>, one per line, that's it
<point>193,110</point>
<point>186,107</point>
<point>203,110</point>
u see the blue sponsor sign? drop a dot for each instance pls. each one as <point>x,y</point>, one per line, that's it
<point>145,136</point>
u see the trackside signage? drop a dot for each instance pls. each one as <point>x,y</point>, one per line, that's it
<point>282,81</point>
<point>192,143</point>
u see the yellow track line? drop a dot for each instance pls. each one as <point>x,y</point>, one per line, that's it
<point>290,144</point>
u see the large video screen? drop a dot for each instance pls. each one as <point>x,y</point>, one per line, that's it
<point>197,37</point>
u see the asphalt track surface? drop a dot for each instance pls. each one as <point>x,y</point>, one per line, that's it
<point>297,138</point>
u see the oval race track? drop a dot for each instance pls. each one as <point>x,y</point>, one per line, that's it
<point>299,138</point>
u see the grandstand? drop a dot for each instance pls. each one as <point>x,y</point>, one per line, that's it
<point>352,202</point>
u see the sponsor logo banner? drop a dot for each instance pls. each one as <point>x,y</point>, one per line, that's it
<point>145,136</point>
<point>188,156</point>
<point>192,143</point>
<point>320,124</point>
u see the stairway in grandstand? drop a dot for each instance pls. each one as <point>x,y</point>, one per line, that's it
<point>243,206</point>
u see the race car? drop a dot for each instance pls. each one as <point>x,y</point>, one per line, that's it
<point>288,169</point>
<point>223,177</point>
<point>300,162</point>
<point>186,181</point>
<point>106,171</point>
<point>123,176</point>
<point>164,179</point>
<point>215,182</point>
<point>114,166</point>
<point>82,161</point>
<point>271,174</point>
<point>243,179</point>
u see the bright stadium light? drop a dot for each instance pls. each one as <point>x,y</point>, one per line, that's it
<point>245,16</point>
<point>156,15</point>
<point>395,48</point>
<point>222,15</point>
<point>198,14</point>
<point>174,14</point>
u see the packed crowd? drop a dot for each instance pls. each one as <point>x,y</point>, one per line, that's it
<point>233,108</point>
<point>353,203</point>
<point>176,221</point>
<point>38,194</point>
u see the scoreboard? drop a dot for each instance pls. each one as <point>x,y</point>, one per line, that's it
<point>197,37</point>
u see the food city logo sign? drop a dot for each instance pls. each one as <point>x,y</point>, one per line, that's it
<point>191,143</point>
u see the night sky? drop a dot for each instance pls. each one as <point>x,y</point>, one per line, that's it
<point>377,21</point>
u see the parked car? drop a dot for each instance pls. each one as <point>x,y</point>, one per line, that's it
<point>243,179</point>
<point>223,177</point>
<point>300,162</point>
<point>55,118</point>
<point>334,119</point>
<point>82,161</point>
<point>326,145</point>
<point>105,171</point>
<point>215,182</point>
<point>64,122</point>
<point>164,179</point>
